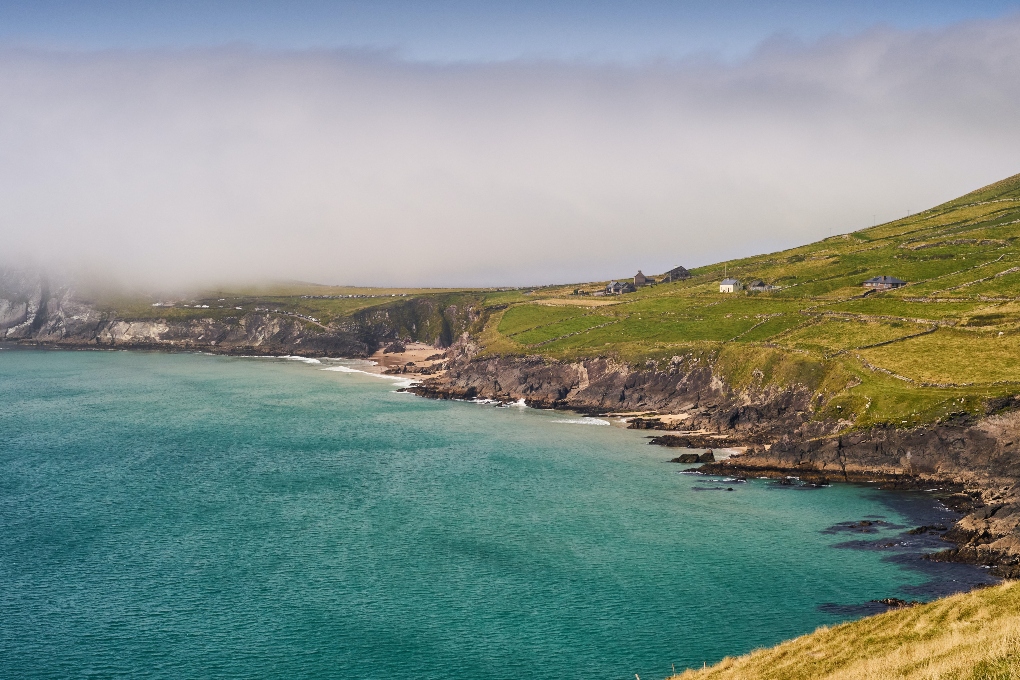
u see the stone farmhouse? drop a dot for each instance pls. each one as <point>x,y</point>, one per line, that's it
<point>642,280</point>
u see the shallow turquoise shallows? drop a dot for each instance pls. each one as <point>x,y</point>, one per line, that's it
<point>190,516</point>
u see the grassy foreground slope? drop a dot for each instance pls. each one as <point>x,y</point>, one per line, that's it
<point>972,636</point>
<point>943,344</point>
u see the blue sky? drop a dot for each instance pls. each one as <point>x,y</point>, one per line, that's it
<point>467,143</point>
<point>469,30</point>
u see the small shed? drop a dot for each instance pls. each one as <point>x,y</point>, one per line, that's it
<point>729,286</point>
<point>884,283</point>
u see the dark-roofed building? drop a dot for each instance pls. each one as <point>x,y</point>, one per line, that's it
<point>676,274</point>
<point>759,286</point>
<point>618,288</point>
<point>884,283</point>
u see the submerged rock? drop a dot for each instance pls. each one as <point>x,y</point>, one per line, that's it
<point>706,457</point>
<point>928,529</point>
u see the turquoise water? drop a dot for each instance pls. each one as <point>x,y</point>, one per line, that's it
<point>172,516</point>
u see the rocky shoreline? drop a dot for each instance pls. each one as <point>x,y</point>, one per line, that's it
<point>970,459</point>
<point>967,462</point>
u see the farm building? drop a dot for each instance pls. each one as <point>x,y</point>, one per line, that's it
<point>760,286</point>
<point>884,283</point>
<point>676,274</point>
<point>642,280</point>
<point>729,286</point>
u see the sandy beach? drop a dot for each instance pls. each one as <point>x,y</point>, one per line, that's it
<point>417,353</point>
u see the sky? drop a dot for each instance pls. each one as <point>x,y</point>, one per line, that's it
<point>484,144</point>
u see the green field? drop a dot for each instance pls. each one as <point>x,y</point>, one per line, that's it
<point>943,343</point>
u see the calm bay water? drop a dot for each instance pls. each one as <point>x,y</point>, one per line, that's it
<point>173,516</point>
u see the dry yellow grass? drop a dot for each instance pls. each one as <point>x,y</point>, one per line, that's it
<point>972,636</point>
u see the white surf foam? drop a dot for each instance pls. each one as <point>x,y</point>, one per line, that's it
<point>307,360</point>
<point>400,381</point>
<point>584,421</point>
<point>722,454</point>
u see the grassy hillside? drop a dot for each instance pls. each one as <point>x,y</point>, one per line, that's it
<point>973,636</point>
<point>942,344</point>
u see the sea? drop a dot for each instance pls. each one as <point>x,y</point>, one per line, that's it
<point>196,516</point>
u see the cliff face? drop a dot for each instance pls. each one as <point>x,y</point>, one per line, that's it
<point>980,451</point>
<point>59,319</point>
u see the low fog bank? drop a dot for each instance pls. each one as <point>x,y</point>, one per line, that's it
<point>164,169</point>
<point>96,287</point>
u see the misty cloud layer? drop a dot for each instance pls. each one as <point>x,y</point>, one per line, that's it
<point>358,168</point>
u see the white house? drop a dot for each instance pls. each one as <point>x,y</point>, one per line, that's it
<point>729,286</point>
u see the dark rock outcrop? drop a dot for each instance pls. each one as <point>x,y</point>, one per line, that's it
<point>603,385</point>
<point>706,457</point>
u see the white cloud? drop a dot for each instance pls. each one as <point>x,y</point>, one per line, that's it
<point>358,168</point>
